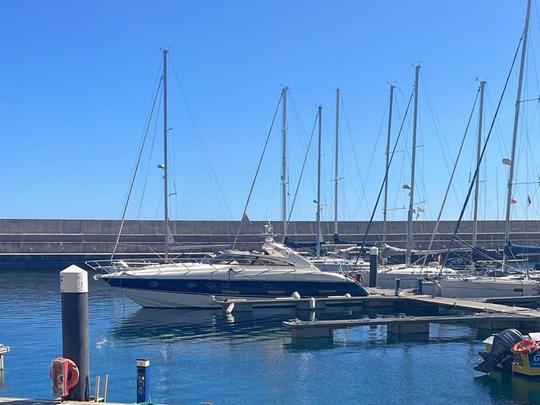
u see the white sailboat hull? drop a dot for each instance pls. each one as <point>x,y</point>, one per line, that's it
<point>484,288</point>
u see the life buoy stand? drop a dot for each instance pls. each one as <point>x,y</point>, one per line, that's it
<point>525,347</point>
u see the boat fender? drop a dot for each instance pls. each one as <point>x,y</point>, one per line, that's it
<point>312,303</point>
<point>295,295</point>
<point>525,347</point>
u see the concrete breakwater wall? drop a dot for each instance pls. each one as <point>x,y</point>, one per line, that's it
<point>31,240</point>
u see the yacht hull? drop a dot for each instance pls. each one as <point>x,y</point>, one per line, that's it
<point>202,293</point>
<point>162,299</point>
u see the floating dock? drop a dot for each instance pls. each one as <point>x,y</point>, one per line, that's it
<point>480,314</point>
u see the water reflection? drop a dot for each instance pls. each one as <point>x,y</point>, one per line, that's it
<point>513,387</point>
<point>148,326</point>
<point>182,325</point>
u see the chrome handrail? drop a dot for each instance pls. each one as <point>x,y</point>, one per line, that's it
<point>109,265</point>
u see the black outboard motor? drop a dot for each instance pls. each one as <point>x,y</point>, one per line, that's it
<point>501,350</point>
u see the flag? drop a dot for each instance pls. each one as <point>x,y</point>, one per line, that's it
<point>529,201</point>
<point>512,201</point>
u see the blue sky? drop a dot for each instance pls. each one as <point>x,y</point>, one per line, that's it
<point>78,78</point>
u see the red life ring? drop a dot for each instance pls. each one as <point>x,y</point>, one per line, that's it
<point>525,347</point>
<point>73,374</point>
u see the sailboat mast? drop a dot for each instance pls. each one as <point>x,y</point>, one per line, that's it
<point>514,133</point>
<point>413,164</point>
<point>336,168</point>
<point>478,152</point>
<point>318,216</point>
<point>385,208</point>
<point>165,155</point>
<point>284,177</point>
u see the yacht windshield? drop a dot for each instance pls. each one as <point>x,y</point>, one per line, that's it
<point>250,260</point>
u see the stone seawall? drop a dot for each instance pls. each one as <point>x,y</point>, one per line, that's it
<point>33,239</point>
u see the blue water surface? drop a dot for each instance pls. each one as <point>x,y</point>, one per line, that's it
<point>206,356</point>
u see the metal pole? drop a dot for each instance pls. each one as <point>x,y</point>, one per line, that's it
<point>165,155</point>
<point>319,187</point>
<point>385,208</point>
<point>142,380</point>
<point>477,180</point>
<point>284,177</point>
<point>74,298</point>
<point>373,256</point>
<point>336,168</point>
<point>413,162</point>
<point>514,133</point>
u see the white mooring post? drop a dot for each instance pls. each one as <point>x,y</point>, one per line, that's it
<point>74,291</point>
<point>3,350</point>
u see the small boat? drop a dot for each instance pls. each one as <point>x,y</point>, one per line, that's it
<point>512,352</point>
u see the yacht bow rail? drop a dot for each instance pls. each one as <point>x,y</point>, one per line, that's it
<point>109,266</point>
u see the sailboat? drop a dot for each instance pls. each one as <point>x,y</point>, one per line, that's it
<point>276,271</point>
<point>511,283</point>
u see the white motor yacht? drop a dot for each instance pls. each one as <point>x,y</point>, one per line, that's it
<point>277,271</point>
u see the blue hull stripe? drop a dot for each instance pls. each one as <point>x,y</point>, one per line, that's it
<point>242,288</point>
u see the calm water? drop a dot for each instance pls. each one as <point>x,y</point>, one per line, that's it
<point>202,355</point>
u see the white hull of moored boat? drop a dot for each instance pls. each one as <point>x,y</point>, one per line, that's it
<point>454,286</point>
<point>483,287</point>
<point>161,299</point>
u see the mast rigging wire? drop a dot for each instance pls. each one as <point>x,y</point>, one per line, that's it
<point>149,158</point>
<point>476,172</point>
<point>204,150</point>
<point>385,175</point>
<point>301,173</point>
<point>436,228</point>
<point>258,169</point>
<point>141,149</point>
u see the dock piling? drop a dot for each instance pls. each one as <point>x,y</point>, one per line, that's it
<point>3,350</point>
<point>419,289</point>
<point>373,258</point>
<point>74,294</point>
<point>397,292</point>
